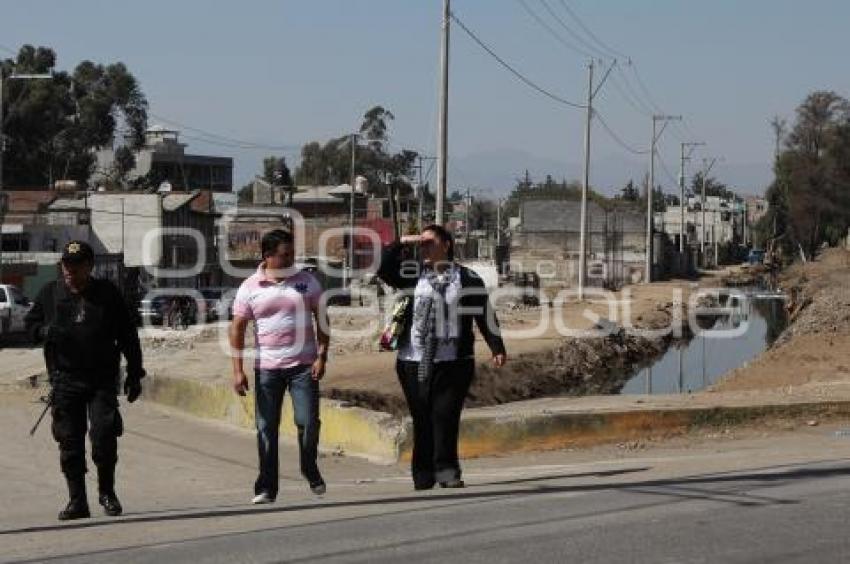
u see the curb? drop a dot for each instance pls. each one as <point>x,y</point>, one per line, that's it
<point>488,431</point>
<point>351,430</point>
<point>484,434</point>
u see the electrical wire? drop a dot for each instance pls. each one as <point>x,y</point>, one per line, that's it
<point>617,138</point>
<point>625,89</point>
<point>551,31</point>
<point>511,69</point>
<point>223,138</point>
<point>613,53</point>
<point>572,32</point>
<point>667,172</point>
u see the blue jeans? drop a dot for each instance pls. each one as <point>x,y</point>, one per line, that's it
<point>269,391</point>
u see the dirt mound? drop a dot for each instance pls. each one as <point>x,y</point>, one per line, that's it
<point>576,367</point>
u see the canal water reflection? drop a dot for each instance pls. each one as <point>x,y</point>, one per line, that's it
<point>703,360</point>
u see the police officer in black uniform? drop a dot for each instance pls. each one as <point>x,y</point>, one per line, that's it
<point>86,326</point>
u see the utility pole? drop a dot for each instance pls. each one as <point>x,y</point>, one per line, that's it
<point>466,222</point>
<point>706,168</point>
<point>122,229</point>
<point>582,257</point>
<point>498,222</point>
<point>443,141</point>
<point>420,167</point>
<point>582,238</point>
<point>650,189</point>
<point>351,212</point>
<point>690,145</point>
<point>421,194</point>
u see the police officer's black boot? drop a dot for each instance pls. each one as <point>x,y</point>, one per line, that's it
<point>78,505</point>
<point>106,488</point>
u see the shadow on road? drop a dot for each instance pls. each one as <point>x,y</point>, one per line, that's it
<point>680,487</point>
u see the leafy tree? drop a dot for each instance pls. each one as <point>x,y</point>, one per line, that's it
<point>331,163</point>
<point>276,172</point>
<point>630,193</point>
<point>245,194</point>
<point>713,187</point>
<point>53,126</point>
<point>809,199</point>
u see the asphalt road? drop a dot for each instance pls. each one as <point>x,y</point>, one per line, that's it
<point>763,496</point>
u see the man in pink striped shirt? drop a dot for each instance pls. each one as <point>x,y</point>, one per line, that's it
<point>282,302</point>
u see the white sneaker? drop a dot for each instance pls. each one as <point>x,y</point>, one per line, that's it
<point>261,498</point>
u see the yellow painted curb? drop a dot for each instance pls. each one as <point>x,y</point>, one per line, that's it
<point>484,432</point>
<point>351,430</point>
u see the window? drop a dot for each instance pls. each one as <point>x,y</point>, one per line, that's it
<point>3,298</point>
<point>18,297</point>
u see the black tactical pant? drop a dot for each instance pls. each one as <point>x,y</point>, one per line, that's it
<point>76,403</point>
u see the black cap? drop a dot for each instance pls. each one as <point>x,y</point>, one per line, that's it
<point>77,252</point>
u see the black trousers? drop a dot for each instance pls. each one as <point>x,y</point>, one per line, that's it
<point>435,409</point>
<point>77,403</point>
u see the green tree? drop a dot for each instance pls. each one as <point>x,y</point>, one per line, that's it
<point>809,199</point>
<point>331,163</point>
<point>630,193</point>
<point>53,126</point>
<point>713,187</point>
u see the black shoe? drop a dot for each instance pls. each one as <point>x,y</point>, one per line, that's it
<point>110,503</point>
<point>454,483</point>
<point>318,487</point>
<point>419,486</point>
<point>75,510</point>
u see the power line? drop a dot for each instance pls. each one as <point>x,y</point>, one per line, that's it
<point>238,146</point>
<point>617,138</point>
<point>551,31</point>
<point>625,89</point>
<point>572,32</point>
<point>643,87</point>
<point>593,36</point>
<point>667,172</point>
<point>511,69</point>
<point>223,138</point>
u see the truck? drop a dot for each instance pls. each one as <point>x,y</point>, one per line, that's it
<point>14,306</point>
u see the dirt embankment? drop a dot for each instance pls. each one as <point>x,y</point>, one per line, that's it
<point>573,366</point>
<point>814,350</point>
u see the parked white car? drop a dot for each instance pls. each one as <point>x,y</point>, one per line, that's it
<point>14,306</point>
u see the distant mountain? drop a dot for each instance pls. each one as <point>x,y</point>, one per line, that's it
<point>497,171</point>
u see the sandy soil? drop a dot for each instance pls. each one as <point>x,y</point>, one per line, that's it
<point>815,349</point>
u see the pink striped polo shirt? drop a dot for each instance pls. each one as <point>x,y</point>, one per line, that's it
<point>282,315</point>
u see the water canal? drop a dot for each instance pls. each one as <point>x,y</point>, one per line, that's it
<point>695,364</point>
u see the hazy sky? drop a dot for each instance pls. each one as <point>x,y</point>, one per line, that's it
<point>286,72</point>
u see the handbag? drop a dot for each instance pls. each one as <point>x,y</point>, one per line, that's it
<point>395,325</point>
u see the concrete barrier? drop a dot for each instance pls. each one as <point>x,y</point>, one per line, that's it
<point>351,430</point>
<point>497,430</point>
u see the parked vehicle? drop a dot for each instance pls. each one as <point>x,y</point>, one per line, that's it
<point>14,306</point>
<point>173,310</point>
<point>756,256</point>
<point>218,302</point>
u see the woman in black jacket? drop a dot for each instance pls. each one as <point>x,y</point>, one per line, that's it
<point>436,361</point>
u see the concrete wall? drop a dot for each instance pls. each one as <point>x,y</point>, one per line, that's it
<point>142,213</point>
